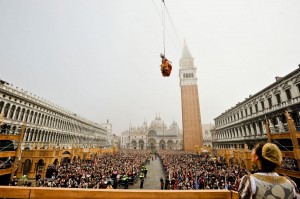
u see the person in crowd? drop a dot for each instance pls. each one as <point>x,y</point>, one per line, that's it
<point>167,183</point>
<point>126,183</point>
<point>162,183</point>
<point>109,186</point>
<point>145,171</point>
<point>142,178</point>
<point>266,183</point>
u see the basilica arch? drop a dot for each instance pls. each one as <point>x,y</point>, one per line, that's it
<point>170,144</point>
<point>133,144</point>
<point>152,133</point>
<point>162,144</point>
<point>141,144</point>
<point>151,143</point>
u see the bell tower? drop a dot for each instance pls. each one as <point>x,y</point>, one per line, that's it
<point>191,117</point>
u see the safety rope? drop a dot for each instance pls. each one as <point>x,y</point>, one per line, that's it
<point>176,44</point>
<point>163,11</point>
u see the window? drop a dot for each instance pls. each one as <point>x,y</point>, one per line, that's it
<point>298,86</point>
<point>262,105</point>
<point>278,98</point>
<point>250,110</point>
<point>242,114</point>
<point>246,112</point>
<point>288,94</point>
<point>270,102</point>
<point>256,108</point>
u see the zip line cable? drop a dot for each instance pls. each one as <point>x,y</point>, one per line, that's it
<point>173,26</point>
<point>163,10</point>
<point>165,30</point>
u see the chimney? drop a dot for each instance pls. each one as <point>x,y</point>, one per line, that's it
<point>277,78</point>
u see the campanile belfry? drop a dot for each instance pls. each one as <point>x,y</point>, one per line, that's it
<point>191,118</point>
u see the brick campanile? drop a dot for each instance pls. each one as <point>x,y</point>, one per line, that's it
<point>191,118</point>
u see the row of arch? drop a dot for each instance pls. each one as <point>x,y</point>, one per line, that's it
<point>276,98</point>
<point>188,75</point>
<point>277,123</point>
<point>39,167</point>
<point>44,136</point>
<point>17,113</point>
<point>72,129</point>
<point>153,144</point>
<point>246,130</point>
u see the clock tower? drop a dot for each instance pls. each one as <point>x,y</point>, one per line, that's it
<point>191,117</point>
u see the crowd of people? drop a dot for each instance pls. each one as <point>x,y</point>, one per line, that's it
<point>182,171</point>
<point>190,171</point>
<point>106,171</point>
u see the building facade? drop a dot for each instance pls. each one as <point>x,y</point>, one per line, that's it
<point>47,124</point>
<point>155,136</point>
<point>191,117</point>
<point>245,123</point>
<point>207,139</point>
<point>108,127</point>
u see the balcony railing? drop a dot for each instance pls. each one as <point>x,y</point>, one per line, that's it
<point>62,193</point>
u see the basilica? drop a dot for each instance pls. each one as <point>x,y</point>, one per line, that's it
<point>154,136</point>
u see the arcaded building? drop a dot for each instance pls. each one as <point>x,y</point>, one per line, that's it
<point>191,117</point>
<point>207,135</point>
<point>244,123</point>
<point>156,135</point>
<point>48,124</point>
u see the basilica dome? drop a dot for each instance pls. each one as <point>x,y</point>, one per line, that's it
<point>158,123</point>
<point>174,127</point>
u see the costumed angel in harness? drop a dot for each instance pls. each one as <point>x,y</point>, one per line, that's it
<point>166,66</point>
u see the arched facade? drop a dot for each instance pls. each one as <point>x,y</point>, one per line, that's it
<point>46,123</point>
<point>245,122</point>
<point>155,136</point>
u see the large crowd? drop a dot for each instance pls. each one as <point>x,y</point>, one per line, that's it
<point>182,171</point>
<point>106,171</point>
<point>190,171</point>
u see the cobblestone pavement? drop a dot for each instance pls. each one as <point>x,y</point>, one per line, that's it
<point>155,172</point>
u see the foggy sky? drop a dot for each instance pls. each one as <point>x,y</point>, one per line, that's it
<point>100,59</point>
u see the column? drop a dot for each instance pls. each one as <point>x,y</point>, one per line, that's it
<point>280,124</point>
<point>258,133</point>
<point>252,133</point>
<point>271,126</point>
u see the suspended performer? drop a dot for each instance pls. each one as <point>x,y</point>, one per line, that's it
<point>165,66</point>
